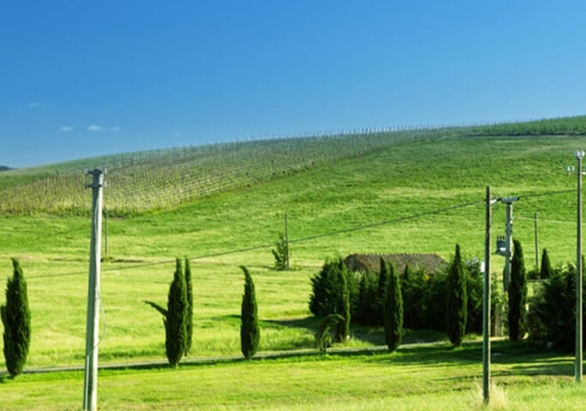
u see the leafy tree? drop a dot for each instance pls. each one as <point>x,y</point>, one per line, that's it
<point>456,315</point>
<point>189,319</point>
<point>546,269</point>
<point>517,319</point>
<point>281,254</point>
<point>249,328</point>
<point>16,319</point>
<point>393,308</point>
<point>175,316</point>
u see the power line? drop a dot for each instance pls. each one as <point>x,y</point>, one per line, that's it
<point>549,193</point>
<point>313,237</point>
<point>265,246</point>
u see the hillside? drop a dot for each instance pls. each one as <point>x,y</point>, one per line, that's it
<point>422,193</point>
<point>162,179</point>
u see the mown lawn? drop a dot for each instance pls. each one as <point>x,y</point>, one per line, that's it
<point>416,377</point>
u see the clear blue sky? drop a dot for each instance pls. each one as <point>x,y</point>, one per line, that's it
<point>80,78</point>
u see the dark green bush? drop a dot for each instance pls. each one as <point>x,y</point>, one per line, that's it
<point>424,296</point>
<point>555,307</point>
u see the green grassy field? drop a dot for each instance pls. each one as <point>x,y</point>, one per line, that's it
<point>419,377</point>
<point>416,195</point>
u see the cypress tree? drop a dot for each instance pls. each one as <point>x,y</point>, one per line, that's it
<point>517,295</point>
<point>546,270</point>
<point>456,313</point>
<point>383,280</point>
<point>249,328</point>
<point>189,318</point>
<point>323,299</point>
<point>393,308</point>
<point>343,302</point>
<point>175,323</point>
<point>16,320</point>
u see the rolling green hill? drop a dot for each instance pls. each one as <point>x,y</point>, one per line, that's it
<point>163,179</point>
<point>222,206</point>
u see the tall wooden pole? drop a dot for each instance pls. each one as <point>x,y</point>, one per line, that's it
<point>579,331</point>
<point>287,239</point>
<point>486,307</point>
<point>90,393</point>
<point>536,241</point>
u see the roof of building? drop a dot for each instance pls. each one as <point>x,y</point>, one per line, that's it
<point>430,263</point>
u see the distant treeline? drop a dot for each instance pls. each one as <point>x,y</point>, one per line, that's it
<point>4,168</point>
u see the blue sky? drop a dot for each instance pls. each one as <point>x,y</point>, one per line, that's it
<point>80,79</point>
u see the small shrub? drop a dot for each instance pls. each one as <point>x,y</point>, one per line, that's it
<point>281,254</point>
<point>323,337</point>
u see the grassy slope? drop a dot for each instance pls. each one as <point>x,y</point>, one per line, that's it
<point>407,179</point>
<point>413,378</point>
<point>390,184</point>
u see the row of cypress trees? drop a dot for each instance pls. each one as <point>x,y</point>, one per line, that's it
<point>178,316</point>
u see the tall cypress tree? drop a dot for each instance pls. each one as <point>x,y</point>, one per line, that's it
<point>189,318</point>
<point>456,313</point>
<point>16,319</point>
<point>343,302</point>
<point>393,308</point>
<point>249,328</point>
<point>517,295</point>
<point>175,324</point>
<point>383,280</point>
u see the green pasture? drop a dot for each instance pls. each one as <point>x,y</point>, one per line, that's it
<point>413,196</point>
<point>416,377</point>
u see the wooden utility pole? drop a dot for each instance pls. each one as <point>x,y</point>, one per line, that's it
<point>287,239</point>
<point>579,331</point>
<point>536,241</point>
<point>486,306</point>
<point>90,393</point>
